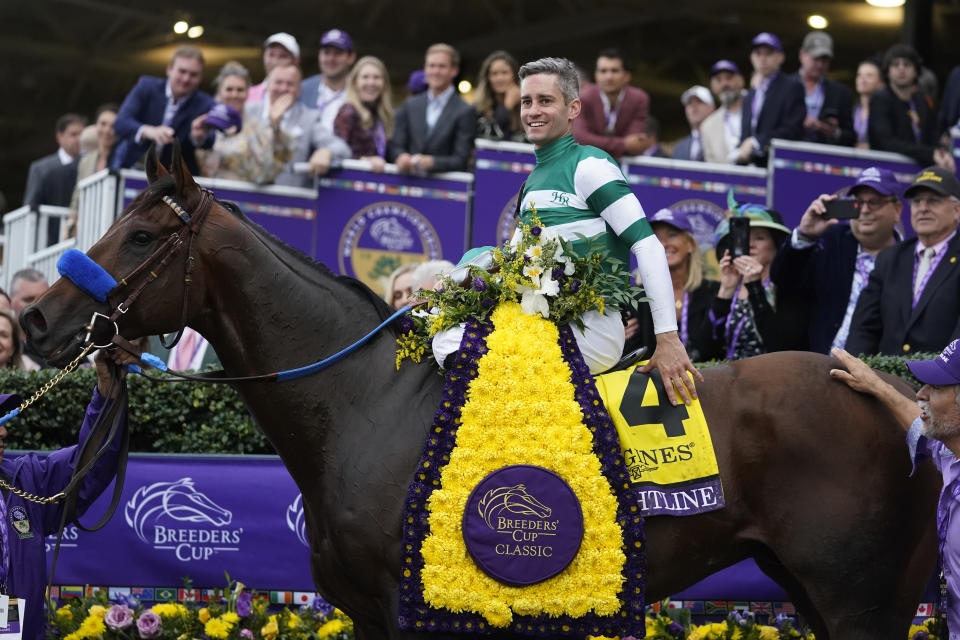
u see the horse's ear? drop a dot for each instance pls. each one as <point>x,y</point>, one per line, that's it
<point>181,172</point>
<point>152,165</point>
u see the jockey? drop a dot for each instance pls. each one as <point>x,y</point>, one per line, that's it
<point>576,189</point>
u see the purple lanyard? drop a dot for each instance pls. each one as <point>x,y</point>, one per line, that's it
<point>914,119</point>
<point>815,101</point>
<point>860,123</point>
<point>937,257</point>
<point>735,338</point>
<point>380,139</point>
<point>943,522</point>
<point>730,121</point>
<point>5,541</point>
<point>759,96</point>
<point>683,318</point>
<point>322,104</point>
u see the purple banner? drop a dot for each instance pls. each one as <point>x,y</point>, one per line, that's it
<point>501,169</point>
<point>287,212</point>
<point>373,223</point>
<point>801,171</point>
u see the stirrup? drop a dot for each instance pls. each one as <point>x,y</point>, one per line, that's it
<point>627,361</point>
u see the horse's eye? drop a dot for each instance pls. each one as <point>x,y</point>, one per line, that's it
<point>141,238</point>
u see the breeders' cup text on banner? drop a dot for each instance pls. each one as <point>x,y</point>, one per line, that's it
<point>178,518</point>
<point>383,236</point>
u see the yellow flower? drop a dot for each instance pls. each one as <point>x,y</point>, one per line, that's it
<point>203,615</point>
<point>92,627</point>
<point>65,613</point>
<point>98,610</point>
<point>230,617</point>
<point>769,633</point>
<point>216,628</point>
<point>166,609</point>
<point>293,621</point>
<point>524,357</point>
<point>330,628</point>
<point>270,630</point>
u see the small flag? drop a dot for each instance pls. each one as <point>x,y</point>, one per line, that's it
<point>925,609</point>
<point>761,607</point>
<point>303,597</point>
<point>674,604</point>
<point>786,608</point>
<point>261,596</point>
<point>143,594</point>
<point>188,595</point>
<point>281,597</point>
<point>715,606</point>
<point>115,593</point>
<point>696,606</point>
<point>165,594</point>
<point>739,606</point>
<point>207,595</point>
<point>71,592</point>
<point>90,591</point>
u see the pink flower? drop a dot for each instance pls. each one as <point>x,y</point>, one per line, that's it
<point>149,625</point>
<point>246,633</point>
<point>119,617</point>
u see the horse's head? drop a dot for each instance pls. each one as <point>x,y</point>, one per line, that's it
<point>147,249</point>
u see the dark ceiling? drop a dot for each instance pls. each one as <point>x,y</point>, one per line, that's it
<point>71,55</point>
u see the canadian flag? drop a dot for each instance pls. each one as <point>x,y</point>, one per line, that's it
<point>188,595</point>
<point>925,609</point>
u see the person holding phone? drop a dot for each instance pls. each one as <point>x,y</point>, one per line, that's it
<point>827,264</point>
<point>745,311</point>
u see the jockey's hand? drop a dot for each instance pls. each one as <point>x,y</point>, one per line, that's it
<point>120,358</point>
<point>672,361</point>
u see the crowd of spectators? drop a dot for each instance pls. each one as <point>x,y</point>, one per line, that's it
<point>818,286</point>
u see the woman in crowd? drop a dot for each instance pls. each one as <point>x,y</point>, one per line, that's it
<point>746,316</point>
<point>365,121</point>
<point>243,148</point>
<point>96,160</point>
<point>498,98</point>
<point>692,292</point>
<point>869,81</point>
<point>11,347</point>
<point>400,286</point>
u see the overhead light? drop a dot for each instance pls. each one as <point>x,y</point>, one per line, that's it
<point>180,27</point>
<point>885,3</point>
<point>195,31</point>
<point>817,22</point>
<point>464,86</point>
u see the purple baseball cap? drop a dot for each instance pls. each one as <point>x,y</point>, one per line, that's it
<point>223,117</point>
<point>942,370</point>
<point>724,65</point>
<point>337,38</point>
<point>766,39</point>
<point>677,219</point>
<point>880,180</point>
<point>8,402</point>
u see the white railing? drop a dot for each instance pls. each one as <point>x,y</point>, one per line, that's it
<point>26,240</point>
<point>97,207</point>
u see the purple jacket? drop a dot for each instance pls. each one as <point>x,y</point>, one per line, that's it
<point>46,476</point>
<point>948,522</point>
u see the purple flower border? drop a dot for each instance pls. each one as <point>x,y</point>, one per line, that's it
<point>414,613</point>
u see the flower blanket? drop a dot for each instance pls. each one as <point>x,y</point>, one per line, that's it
<point>519,396</point>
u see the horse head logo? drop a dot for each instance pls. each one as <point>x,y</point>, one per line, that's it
<point>515,500</point>
<point>296,520</point>
<point>391,234</point>
<point>178,500</point>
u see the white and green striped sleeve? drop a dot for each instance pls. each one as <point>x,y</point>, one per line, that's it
<point>601,183</point>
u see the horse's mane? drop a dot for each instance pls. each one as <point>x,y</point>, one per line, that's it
<point>379,305</point>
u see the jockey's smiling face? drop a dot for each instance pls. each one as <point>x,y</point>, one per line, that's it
<point>545,115</point>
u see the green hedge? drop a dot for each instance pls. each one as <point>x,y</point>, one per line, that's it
<point>181,417</point>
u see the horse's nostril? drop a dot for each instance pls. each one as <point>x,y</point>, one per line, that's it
<point>36,319</point>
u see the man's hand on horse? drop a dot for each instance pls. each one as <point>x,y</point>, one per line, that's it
<point>675,368</point>
<point>858,375</point>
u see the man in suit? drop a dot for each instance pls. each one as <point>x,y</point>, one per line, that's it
<point>950,105</point>
<point>774,108</point>
<point>159,111</point>
<point>613,114</point>
<point>327,90</point>
<point>434,130</point>
<point>68,130</point>
<point>697,105</point>
<point>912,301</point>
<point>720,131</point>
<point>281,110</point>
<point>901,119</point>
<point>827,265</point>
<point>829,104</point>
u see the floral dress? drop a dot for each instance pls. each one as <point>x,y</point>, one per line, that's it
<point>257,153</point>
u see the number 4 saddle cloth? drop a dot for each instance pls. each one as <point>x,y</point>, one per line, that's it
<point>526,511</point>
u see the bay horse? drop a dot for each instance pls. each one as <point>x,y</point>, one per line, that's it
<point>815,475</point>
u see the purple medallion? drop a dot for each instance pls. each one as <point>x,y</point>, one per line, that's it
<point>522,524</point>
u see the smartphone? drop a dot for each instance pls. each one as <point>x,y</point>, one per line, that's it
<point>842,209</point>
<point>739,236</point>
